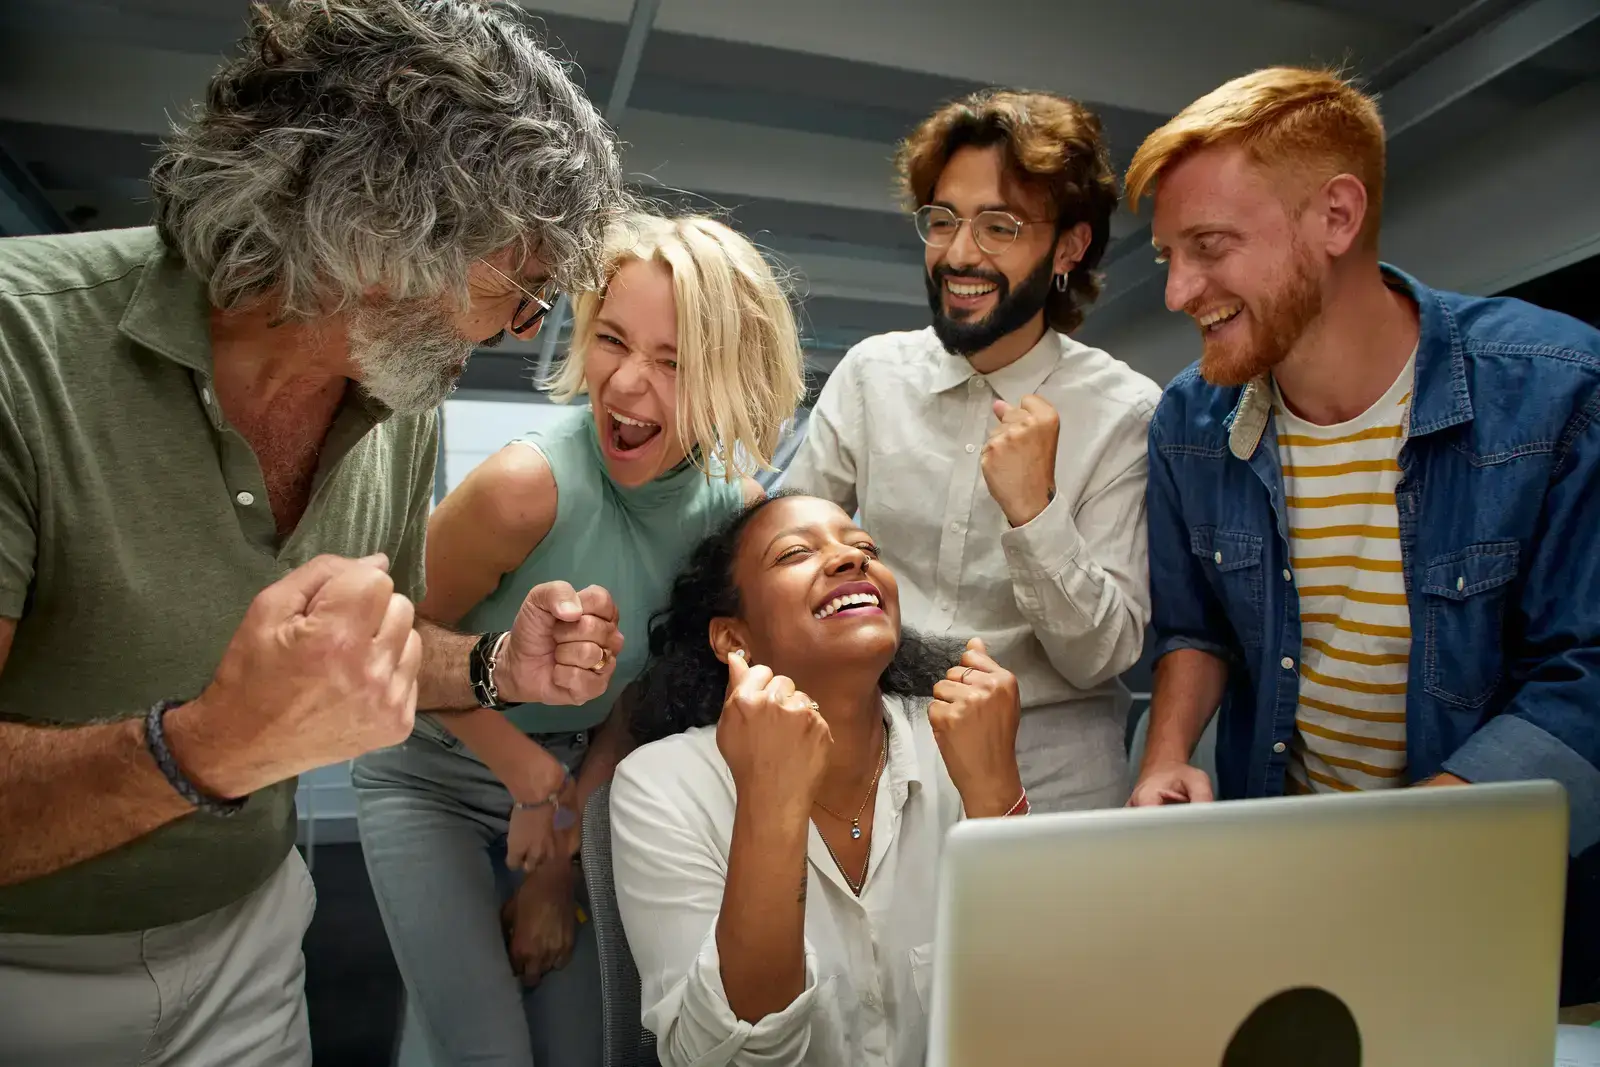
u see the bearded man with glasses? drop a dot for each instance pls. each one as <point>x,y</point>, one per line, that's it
<point>1003,461</point>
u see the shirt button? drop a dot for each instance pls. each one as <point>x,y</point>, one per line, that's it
<point>955,527</point>
<point>1461,583</point>
<point>1288,663</point>
<point>972,448</point>
<point>1218,558</point>
<point>245,499</point>
<point>1279,748</point>
<point>1287,576</point>
<point>871,1000</point>
<point>205,395</point>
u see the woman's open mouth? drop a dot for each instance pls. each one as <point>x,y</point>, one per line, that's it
<point>850,600</point>
<point>628,435</point>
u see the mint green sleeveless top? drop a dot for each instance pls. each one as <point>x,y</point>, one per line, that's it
<point>630,542</point>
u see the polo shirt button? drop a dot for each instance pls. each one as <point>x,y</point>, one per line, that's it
<point>1288,663</point>
<point>1279,748</point>
<point>245,498</point>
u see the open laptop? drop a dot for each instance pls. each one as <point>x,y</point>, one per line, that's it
<point>1411,928</point>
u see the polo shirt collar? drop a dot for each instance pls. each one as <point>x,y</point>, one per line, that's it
<point>170,314</point>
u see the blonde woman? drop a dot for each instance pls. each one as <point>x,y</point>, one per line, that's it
<point>691,364</point>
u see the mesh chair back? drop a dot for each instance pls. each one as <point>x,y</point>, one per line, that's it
<point>627,1043</point>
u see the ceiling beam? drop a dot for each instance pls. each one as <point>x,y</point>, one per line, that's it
<point>66,83</point>
<point>1481,58</point>
<point>639,23</point>
<point>643,17</point>
<point>1468,65</point>
<point>1113,58</point>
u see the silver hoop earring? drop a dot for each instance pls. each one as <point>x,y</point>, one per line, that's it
<point>1061,283</point>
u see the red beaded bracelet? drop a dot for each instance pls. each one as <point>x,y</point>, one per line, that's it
<point>1021,807</point>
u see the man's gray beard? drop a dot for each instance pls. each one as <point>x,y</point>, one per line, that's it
<point>408,354</point>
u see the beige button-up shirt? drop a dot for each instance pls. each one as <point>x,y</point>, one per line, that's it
<point>869,959</point>
<point>1062,601</point>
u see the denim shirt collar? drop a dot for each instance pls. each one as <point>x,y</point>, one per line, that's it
<point>1440,398</point>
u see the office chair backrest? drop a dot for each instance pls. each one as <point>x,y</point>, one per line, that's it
<point>626,1043</point>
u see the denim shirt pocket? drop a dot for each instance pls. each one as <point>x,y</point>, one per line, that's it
<point>1234,559</point>
<point>1464,613</point>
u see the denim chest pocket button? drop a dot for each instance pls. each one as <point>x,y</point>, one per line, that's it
<point>1234,559</point>
<point>1228,550</point>
<point>1465,595</point>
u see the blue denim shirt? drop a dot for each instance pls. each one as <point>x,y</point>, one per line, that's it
<point>1499,507</point>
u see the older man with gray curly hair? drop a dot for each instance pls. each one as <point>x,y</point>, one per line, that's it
<point>217,442</point>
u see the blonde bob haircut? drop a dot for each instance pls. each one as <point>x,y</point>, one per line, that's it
<point>1306,124</point>
<point>740,365</point>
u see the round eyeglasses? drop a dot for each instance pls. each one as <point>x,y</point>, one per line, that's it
<point>533,307</point>
<point>992,231</point>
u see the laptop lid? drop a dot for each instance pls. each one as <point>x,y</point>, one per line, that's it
<point>1418,926</point>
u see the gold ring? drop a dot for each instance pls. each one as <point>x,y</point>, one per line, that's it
<point>605,658</point>
<point>966,672</point>
<point>814,705</point>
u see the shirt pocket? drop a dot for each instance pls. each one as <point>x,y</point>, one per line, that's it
<point>1464,619</point>
<point>1233,559</point>
<point>922,974</point>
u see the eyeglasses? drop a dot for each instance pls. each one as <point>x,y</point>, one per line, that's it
<point>993,231</point>
<point>533,307</point>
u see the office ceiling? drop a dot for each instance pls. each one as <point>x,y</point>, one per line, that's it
<point>783,116</point>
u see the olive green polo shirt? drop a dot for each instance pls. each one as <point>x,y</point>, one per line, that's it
<point>134,533</point>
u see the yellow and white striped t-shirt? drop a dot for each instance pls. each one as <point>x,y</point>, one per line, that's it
<point>1344,538</point>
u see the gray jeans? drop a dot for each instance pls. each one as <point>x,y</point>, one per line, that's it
<point>433,824</point>
<point>224,990</point>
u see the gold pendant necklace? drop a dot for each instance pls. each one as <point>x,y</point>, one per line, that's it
<point>855,821</point>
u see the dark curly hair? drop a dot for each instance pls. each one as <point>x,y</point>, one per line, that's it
<point>1052,144</point>
<point>684,683</point>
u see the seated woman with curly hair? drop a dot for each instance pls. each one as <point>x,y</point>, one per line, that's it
<point>776,847</point>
